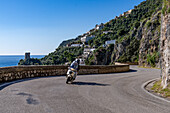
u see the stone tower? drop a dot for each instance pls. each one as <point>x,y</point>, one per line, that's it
<point>27,56</point>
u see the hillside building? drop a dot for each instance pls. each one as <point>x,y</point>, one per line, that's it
<point>86,38</point>
<point>87,52</point>
<point>106,32</point>
<point>99,27</point>
<point>110,42</point>
<point>76,45</point>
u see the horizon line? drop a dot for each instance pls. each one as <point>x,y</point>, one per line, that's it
<point>17,54</point>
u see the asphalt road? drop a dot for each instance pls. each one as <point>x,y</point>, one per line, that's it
<point>104,93</point>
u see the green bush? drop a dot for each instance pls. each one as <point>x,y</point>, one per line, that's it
<point>148,24</point>
<point>32,61</point>
<point>165,8</point>
<point>152,58</point>
<point>137,24</point>
<point>169,10</point>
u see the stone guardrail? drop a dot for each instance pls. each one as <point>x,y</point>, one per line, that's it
<point>21,72</point>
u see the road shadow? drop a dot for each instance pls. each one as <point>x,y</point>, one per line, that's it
<point>132,70</point>
<point>6,84</point>
<point>89,84</point>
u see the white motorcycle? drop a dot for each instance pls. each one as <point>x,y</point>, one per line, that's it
<point>71,75</point>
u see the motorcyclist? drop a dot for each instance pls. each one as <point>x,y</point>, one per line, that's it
<point>75,66</point>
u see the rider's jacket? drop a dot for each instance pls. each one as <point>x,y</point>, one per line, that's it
<point>74,65</point>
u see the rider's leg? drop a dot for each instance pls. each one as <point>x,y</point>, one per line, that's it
<point>75,75</point>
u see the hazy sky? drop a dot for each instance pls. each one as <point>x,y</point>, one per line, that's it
<point>39,26</point>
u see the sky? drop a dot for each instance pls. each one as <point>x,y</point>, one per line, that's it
<point>39,26</point>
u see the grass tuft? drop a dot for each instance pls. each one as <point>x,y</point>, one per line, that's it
<point>157,88</point>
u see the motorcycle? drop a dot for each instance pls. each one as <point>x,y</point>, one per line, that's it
<point>71,75</point>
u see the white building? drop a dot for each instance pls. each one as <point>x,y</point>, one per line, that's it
<point>106,32</point>
<point>99,27</point>
<point>110,42</point>
<point>75,45</point>
<point>128,12</point>
<point>87,52</point>
<point>86,38</point>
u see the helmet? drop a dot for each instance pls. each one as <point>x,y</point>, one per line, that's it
<point>77,60</point>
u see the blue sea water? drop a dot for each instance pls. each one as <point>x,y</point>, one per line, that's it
<point>12,60</point>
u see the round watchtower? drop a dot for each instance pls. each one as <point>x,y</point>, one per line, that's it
<point>27,55</point>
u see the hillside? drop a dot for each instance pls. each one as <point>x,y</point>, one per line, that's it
<point>66,42</point>
<point>136,32</point>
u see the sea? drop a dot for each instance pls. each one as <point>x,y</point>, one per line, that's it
<point>12,60</point>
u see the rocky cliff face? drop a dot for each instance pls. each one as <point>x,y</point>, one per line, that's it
<point>101,56</point>
<point>149,34</point>
<point>136,34</point>
<point>165,47</point>
<point>143,44</point>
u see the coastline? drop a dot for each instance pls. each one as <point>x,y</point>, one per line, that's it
<point>12,60</point>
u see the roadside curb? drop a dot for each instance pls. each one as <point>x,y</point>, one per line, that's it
<point>147,83</point>
<point>3,85</point>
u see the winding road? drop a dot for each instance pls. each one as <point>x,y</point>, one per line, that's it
<point>103,93</point>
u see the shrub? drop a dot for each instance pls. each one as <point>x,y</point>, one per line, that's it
<point>148,24</point>
<point>165,8</point>
<point>152,58</point>
<point>169,10</point>
<point>137,24</point>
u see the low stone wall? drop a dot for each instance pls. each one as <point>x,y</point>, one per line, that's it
<point>20,72</point>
